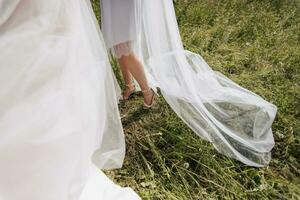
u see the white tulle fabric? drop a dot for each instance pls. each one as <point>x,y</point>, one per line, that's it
<point>58,104</point>
<point>236,121</point>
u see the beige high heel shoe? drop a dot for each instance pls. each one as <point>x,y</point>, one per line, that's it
<point>150,91</point>
<point>130,90</point>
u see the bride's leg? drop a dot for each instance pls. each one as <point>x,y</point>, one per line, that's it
<point>130,87</point>
<point>134,66</point>
<point>125,72</point>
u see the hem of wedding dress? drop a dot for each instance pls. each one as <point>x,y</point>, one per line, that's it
<point>125,48</point>
<point>99,186</point>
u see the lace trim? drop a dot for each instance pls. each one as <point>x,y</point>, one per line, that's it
<point>123,49</point>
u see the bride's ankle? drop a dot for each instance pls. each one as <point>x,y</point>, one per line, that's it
<point>148,95</point>
<point>147,92</point>
<point>130,86</point>
<point>129,90</point>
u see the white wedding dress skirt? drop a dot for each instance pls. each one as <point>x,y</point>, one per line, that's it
<point>236,121</point>
<point>120,25</point>
<point>58,104</point>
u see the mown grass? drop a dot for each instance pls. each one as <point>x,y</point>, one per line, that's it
<point>256,44</point>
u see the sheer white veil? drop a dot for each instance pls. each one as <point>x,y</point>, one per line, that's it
<point>27,41</point>
<point>236,121</point>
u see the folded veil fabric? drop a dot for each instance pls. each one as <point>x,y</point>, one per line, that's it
<point>236,121</point>
<point>58,104</point>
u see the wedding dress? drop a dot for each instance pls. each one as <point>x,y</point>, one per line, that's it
<point>236,121</point>
<point>58,104</point>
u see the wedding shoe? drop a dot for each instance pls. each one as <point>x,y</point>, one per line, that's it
<point>150,91</point>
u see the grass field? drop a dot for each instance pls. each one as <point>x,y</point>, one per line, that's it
<point>256,43</point>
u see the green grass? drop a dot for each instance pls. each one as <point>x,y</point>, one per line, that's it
<point>256,44</point>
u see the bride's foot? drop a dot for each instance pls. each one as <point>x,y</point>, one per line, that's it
<point>130,89</point>
<point>149,97</point>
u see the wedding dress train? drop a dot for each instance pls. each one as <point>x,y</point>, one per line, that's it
<point>236,121</point>
<point>58,104</point>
